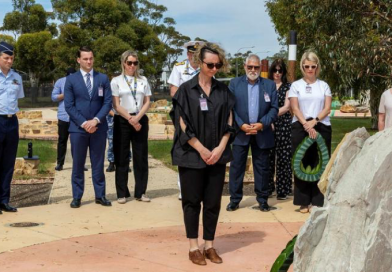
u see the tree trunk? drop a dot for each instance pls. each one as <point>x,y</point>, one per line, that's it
<point>375,95</point>
<point>34,82</point>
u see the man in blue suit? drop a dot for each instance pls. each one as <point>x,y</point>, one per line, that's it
<point>255,109</point>
<point>88,99</point>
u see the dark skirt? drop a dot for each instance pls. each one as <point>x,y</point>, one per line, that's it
<point>308,193</point>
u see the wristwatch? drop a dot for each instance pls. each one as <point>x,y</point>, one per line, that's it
<point>317,119</point>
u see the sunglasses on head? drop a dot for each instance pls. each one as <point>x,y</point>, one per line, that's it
<point>251,67</point>
<point>212,65</point>
<point>130,63</point>
<point>279,71</point>
<point>310,66</point>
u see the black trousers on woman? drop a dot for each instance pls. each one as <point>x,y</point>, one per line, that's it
<point>202,185</point>
<point>308,193</point>
<point>123,135</point>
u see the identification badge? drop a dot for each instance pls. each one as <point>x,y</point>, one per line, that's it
<point>203,104</point>
<point>266,97</point>
<point>100,91</point>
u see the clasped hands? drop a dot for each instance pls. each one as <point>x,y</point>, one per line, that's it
<point>91,126</point>
<point>309,128</point>
<point>251,129</point>
<point>211,157</point>
<point>134,121</point>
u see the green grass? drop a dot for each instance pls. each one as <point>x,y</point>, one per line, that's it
<point>160,150</point>
<point>41,102</point>
<point>340,126</point>
<point>46,150</point>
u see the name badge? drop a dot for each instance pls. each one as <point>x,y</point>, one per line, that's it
<point>100,91</point>
<point>266,97</point>
<point>203,104</point>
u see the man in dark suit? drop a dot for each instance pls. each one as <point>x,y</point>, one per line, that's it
<point>255,109</point>
<point>88,99</point>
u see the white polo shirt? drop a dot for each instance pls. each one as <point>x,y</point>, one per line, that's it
<point>121,89</point>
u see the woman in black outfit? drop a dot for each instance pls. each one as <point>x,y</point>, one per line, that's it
<point>203,117</point>
<point>281,154</point>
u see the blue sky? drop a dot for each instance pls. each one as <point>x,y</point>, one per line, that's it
<point>231,23</point>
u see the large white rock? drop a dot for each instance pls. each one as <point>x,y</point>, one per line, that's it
<point>353,231</point>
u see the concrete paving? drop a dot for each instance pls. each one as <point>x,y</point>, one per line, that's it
<point>138,236</point>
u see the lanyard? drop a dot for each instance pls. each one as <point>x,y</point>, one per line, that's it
<point>133,91</point>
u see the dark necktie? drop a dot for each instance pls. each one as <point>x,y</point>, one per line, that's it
<point>88,84</point>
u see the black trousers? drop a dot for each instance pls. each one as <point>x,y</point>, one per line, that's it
<point>202,185</point>
<point>62,142</point>
<point>123,135</point>
<point>306,193</point>
<point>9,139</point>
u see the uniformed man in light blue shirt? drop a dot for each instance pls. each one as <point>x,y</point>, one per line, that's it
<point>63,119</point>
<point>11,89</point>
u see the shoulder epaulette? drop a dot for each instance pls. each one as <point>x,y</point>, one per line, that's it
<point>180,63</point>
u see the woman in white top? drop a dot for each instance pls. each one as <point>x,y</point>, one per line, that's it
<point>385,110</point>
<point>131,100</point>
<point>310,100</point>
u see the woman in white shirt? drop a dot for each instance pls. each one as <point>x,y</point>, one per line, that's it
<point>131,100</point>
<point>310,100</point>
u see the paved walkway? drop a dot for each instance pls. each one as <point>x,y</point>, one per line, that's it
<point>138,236</point>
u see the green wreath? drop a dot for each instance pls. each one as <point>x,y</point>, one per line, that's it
<point>310,174</point>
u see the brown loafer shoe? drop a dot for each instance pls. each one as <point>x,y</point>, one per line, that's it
<point>197,258</point>
<point>212,255</point>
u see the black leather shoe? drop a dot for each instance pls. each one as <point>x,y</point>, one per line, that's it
<point>7,208</point>
<point>75,203</point>
<point>85,168</point>
<point>264,207</point>
<point>103,201</point>
<point>111,167</point>
<point>231,207</point>
<point>129,170</point>
<point>58,167</point>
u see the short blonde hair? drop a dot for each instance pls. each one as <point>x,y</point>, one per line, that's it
<point>310,56</point>
<point>213,48</point>
<point>124,58</point>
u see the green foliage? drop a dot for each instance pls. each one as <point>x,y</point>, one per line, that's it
<point>161,150</point>
<point>352,39</point>
<point>285,259</point>
<point>27,17</point>
<point>36,59</point>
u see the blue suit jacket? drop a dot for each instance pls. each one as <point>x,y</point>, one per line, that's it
<point>268,111</point>
<point>80,107</point>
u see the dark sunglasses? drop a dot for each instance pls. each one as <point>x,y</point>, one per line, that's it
<point>212,65</point>
<point>310,66</point>
<point>279,71</point>
<point>129,63</point>
<point>251,67</point>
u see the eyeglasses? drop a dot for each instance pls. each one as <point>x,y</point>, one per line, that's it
<point>251,67</point>
<point>279,71</point>
<point>310,66</point>
<point>212,65</point>
<point>129,63</point>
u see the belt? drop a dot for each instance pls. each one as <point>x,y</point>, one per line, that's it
<point>133,114</point>
<point>7,115</point>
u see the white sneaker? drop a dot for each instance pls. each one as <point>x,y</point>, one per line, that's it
<point>122,200</point>
<point>144,198</point>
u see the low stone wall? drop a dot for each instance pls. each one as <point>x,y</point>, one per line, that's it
<point>26,167</point>
<point>32,126</point>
